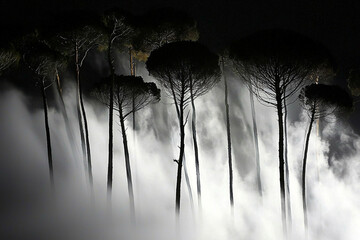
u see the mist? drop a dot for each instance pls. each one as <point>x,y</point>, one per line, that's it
<point>31,210</point>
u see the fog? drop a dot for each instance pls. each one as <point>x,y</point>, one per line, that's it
<point>31,210</point>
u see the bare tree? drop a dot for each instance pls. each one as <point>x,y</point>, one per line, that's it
<point>320,101</point>
<point>75,39</point>
<point>43,62</point>
<point>187,70</point>
<point>275,64</point>
<point>117,32</point>
<point>127,90</point>
<point>228,133</point>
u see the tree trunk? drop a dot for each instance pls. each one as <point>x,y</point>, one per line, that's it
<point>196,150</point>
<point>64,113</point>
<point>111,110</point>
<point>127,162</point>
<point>228,132</point>
<point>47,130</point>
<point>78,108</point>
<point>287,180</point>
<point>303,186</point>
<point>187,180</point>
<point>256,142</point>
<point>85,144</point>
<point>181,155</point>
<point>279,107</point>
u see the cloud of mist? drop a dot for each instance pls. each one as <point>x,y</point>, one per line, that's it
<point>30,211</point>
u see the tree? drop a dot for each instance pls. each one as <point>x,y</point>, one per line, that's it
<point>320,101</point>
<point>275,64</point>
<point>117,32</point>
<point>75,39</point>
<point>228,133</point>
<point>127,90</point>
<point>187,70</point>
<point>43,62</point>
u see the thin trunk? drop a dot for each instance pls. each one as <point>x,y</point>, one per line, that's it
<point>127,162</point>
<point>196,150</point>
<point>303,186</point>
<point>64,113</point>
<point>187,180</point>
<point>287,180</point>
<point>86,136</point>
<point>279,106</point>
<point>111,110</point>
<point>228,132</point>
<point>84,139</point>
<point>181,155</point>
<point>256,143</point>
<point>78,108</point>
<point>47,129</point>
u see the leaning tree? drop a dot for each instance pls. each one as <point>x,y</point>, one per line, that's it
<point>75,37</point>
<point>43,62</point>
<point>275,64</point>
<point>117,32</point>
<point>127,90</point>
<point>320,101</point>
<point>187,70</point>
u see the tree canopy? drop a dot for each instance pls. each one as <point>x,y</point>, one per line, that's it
<point>180,66</point>
<point>325,100</point>
<point>278,60</point>
<point>128,90</point>
<point>158,27</point>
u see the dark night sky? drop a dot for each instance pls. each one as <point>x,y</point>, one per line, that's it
<point>334,23</point>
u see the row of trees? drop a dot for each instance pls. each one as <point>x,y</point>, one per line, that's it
<point>274,65</point>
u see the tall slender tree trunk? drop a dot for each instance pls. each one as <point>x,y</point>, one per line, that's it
<point>47,130</point>
<point>127,162</point>
<point>228,132</point>
<point>78,108</point>
<point>181,155</point>
<point>111,110</point>
<point>279,107</point>
<point>64,112</point>
<point>256,142</point>
<point>187,180</point>
<point>196,150</point>
<point>83,114</point>
<point>287,174</point>
<point>303,185</point>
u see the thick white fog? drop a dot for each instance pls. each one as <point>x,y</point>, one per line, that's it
<point>31,211</point>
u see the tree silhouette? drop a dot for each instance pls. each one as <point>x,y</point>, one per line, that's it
<point>117,32</point>
<point>75,39</point>
<point>187,70</point>
<point>228,133</point>
<point>255,133</point>
<point>320,101</point>
<point>43,62</point>
<point>127,90</point>
<point>158,27</point>
<point>275,64</point>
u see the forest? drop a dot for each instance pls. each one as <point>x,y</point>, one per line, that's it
<point>125,126</point>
